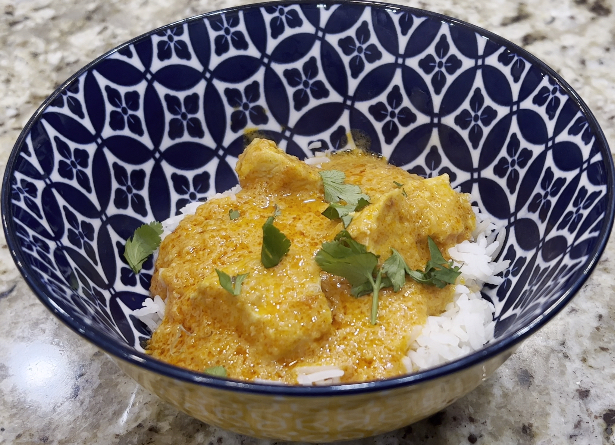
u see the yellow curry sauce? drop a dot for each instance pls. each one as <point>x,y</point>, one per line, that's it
<point>295,315</point>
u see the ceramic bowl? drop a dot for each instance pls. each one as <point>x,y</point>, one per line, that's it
<point>160,121</point>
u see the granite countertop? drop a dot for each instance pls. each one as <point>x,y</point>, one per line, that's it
<point>55,388</point>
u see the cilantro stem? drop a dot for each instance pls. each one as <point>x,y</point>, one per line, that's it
<point>376,291</point>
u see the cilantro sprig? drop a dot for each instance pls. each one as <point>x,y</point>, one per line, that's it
<point>275,243</point>
<point>229,283</point>
<point>142,244</point>
<point>438,272</point>
<point>337,191</point>
<point>350,259</point>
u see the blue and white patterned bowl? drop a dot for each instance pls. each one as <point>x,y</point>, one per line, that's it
<point>160,121</point>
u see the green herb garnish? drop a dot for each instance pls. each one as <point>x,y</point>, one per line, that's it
<point>438,271</point>
<point>216,371</point>
<point>400,186</point>
<point>350,259</point>
<point>275,243</point>
<point>336,191</point>
<point>143,243</point>
<point>233,214</point>
<point>339,211</point>
<point>395,268</point>
<point>347,258</point>
<point>361,204</point>
<point>231,284</point>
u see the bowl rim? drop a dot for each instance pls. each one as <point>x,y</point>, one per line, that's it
<point>127,354</point>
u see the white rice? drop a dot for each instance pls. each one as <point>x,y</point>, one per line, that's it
<point>467,322</point>
<point>318,375</point>
<point>318,159</point>
<point>465,326</point>
<point>170,224</point>
<point>152,312</point>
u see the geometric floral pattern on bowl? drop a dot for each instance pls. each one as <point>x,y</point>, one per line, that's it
<point>160,122</point>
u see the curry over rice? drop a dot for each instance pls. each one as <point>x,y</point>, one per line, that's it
<point>294,315</point>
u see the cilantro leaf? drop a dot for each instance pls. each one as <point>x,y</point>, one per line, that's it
<point>448,275</point>
<point>438,272</point>
<point>361,204</point>
<point>336,211</point>
<point>233,214</point>
<point>436,258</point>
<point>350,259</point>
<point>346,220</point>
<point>347,258</point>
<point>395,269</point>
<point>356,268</point>
<point>216,371</point>
<point>336,190</point>
<point>231,284</point>
<point>275,243</point>
<point>346,240</point>
<point>339,211</point>
<point>421,277</point>
<point>142,244</point>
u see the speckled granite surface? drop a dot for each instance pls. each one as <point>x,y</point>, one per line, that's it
<point>55,388</point>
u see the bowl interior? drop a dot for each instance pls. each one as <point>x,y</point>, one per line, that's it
<point>160,121</point>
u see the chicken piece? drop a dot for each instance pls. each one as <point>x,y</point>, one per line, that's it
<point>263,163</point>
<point>405,216</point>
<point>279,310</point>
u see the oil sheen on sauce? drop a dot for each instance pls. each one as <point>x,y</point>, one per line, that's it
<point>295,315</point>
